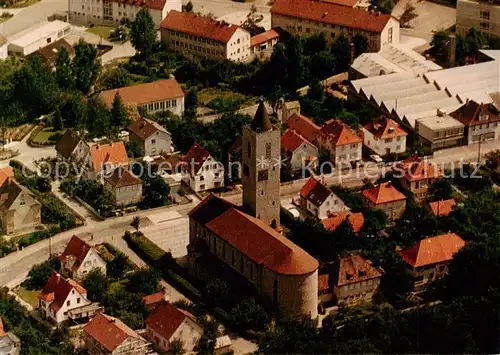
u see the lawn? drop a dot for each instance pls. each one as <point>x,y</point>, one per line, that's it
<point>21,4</point>
<point>102,31</point>
<point>207,95</point>
<point>43,136</point>
<point>27,295</point>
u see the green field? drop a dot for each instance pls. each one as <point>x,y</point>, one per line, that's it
<point>28,296</point>
<point>102,31</point>
<point>43,136</point>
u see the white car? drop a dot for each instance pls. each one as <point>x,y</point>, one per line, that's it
<point>376,158</point>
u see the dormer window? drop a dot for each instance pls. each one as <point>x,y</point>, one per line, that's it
<point>484,117</point>
<point>361,273</point>
<point>348,276</point>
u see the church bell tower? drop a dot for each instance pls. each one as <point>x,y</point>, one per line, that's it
<point>261,152</point>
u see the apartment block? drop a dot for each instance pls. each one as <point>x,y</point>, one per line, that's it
<point>205,37</point>
<point>482,15</point>
<point>111,12</point>
<point>307,17</point>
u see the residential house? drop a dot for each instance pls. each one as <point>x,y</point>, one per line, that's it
<point>202,36</point>
<point>417,175</point>
<point>19,209</point>
<point>51,52</point>
<point>355,219</point>
<point>481,121</point>
<point>38,36</point>
<point>442,208</point>
<point>481,15</point>
<point>384,136</point>
<point>319,200</point>
<point>201,171</point>
<point>168,323</point>
<point>124,186</point>
<point>157,96</point>
<point>428,259</point>
<point>304,126</point>
<point>280,271</point>
<point>9,342</point>
<point>111,12</point>
<point>355,279</point>
<point>108,335</point>
<point>79,258</point>
<point>386,198</point>
<point>263,43</point>
<point>105,158</point>
<point>71,147</point>
<point>153,300</point>
<point>341,141</point>
<point>6,173</point>
<point>301,155</point>
<point>62,299</point>
<point>308,17</point>
<point>4,45</point>
<point>152,138</point>
<point>289,108</point>
<point>223,345</point>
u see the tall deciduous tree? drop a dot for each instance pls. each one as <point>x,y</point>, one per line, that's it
<point>360,43</point>
<point>156,192</point>
<point>64,72</point>
<point>86,66</point>
<point>58,123</point>
<point>96,285</point>
<point>341,49</point>
<point>143,34</point>
<point>119,117</point>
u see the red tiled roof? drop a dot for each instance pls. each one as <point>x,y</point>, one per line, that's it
<point>415,168</point>
<point>253,238</point>
<point>442,207</point>
<point>471,112</point>
<point>383,193</point>
<point>195,158</point>
<point>145,128</point>
<point>165,320</point>
<point>108,331</point>
<point>315,192</point>
<point>349,3</point>
<point>263,37</point>
<point>76,248</point>
<point>304,126</point>
<point>201,26</point>
<point>385,128</point>
<point>6,173</point>
<point>338,133</point>
<point>121,177</point>
<point>113,154</point>
<point>353,269</point>
<point>153,298</point>
<point>141,94</point>
<point>2,330</point>
<point>332,14</point>
<point>357,220</point>
<point>432,250</point>
<point>291,140</point>
<point>57,290</point>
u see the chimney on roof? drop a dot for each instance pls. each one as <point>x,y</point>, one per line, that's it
<point>325,13</point>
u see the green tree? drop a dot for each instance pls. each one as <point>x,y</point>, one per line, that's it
<point>40,273</point>
<point>493,160</point>
<point>176,347</point>
<point>341,49</point>
<point>143,33</point>
<point>64,72</point>
<point>115,78</point>
<point>119,117</point>
<point>217,292</point>
<point>251,23</point>
<point>57,121</point>
<point>117,267</point>
<point>188,7</point>
<point>96,285</point>
<point>156,192</point>
<point>136,223</point>
<point>133,149</point>
<point>98,119</point>
<point>248,314</point>
<point>360,43</point>
<point>316,91</point>
<point>144,282</point>
<point>86,66</point>
<point>441,190</point>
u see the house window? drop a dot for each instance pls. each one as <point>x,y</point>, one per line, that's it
<point>68,303</point>
<point>49,40</point>
<point>202,178</point>
<point>390,35</point>
<point>268,150</point>
<point>202,187</point>
<point>153,141</point>
<point>78,300</point>
<point>484,26</point>
<point>485,15</point>
<point>263,175</point>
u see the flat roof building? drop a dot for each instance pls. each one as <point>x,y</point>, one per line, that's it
<point>38,36</point>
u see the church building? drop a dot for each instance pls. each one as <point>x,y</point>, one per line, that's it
<point>248,239</point>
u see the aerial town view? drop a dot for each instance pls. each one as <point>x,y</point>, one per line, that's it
<point>249,177</point>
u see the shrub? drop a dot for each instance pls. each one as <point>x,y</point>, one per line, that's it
<point>40,273</point>
<point>143,246</point>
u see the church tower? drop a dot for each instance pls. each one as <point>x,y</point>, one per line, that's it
<point>261,151</point>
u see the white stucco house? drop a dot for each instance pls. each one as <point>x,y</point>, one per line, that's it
<point>319,200</point>
<point>124,186</point>
<point>60,297</point>
<point>103,159</point>
<point>384,136</point>
<point>201,171</point>
<point>167,323</point>
<point>341,141</point>
<point>152,138</point>
<point>79,258</point>
<point>299,152</point>
<point>71,147</point>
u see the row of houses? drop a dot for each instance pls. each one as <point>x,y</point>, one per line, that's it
<point>63,298</point>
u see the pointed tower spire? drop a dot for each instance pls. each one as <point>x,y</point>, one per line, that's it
<point>261,121</point>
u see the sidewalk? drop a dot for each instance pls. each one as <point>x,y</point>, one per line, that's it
<point>75,206</point>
